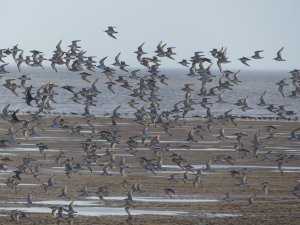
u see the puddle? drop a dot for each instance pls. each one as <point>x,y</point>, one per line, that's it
<point>107,124</point>
<point>286,171</point>
<point>218,166</point>
<point>94,201</point>
<point>193,149</point>
<point>56,130</point>
<point>29,150</point>
<point>85,132</point>
<point>53,138</point>
<point>62,170</point>
<point>7,154</point>
<point>97,211</point>
<point>54,171</point>
<point>175,199</point>
<point>221,215</point>
<point>160,141</point>
<point>212,149</point>
<point>117,154</point>
<point>180,171</point>
<point>187,142</point>
<point>6,172</point>
<point>90,211</point>
<point>200,149</point>
<point>22,184</point>
<point>57,202</point>
<point>100,140</point>
<point>230,136</point>
<point>119,123</point>
<point>274,147</point>
<point>27,209</point>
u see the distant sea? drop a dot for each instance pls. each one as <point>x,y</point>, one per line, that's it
<point>253,83</point>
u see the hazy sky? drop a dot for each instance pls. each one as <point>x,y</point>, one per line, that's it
<point>190,25</point>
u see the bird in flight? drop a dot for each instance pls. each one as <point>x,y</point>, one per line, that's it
<point>110,31</point>
<point>279,58</point>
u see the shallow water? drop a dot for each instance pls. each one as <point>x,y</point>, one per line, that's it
<point>52,138</point>
<point>56,202</point>
<point>180,171</point>
<point>213,149</point>
<point>95,201</point>
<point>278,147</point>
<point>218,166</point>
<point>30,150</point>
<point>285,170</point>
<point>106,211</point>
<point>30,144</point>
<point>6,154</point>
<point>97,211</point>
<point>21,184</point>
<point>175,199</point>
<point>221,215</point>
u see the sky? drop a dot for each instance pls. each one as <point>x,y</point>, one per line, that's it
<point>191,25</point>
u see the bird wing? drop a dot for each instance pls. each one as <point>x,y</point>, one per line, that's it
<point>279,52</point>
<point>117,58</point>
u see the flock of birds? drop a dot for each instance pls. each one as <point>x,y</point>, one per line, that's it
<point>145,90</point>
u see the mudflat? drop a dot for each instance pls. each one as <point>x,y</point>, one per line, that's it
<point>200,171</point>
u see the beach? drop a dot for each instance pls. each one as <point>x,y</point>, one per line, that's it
<point>118,112</point>
<point>188,205</point>
<point>159,153</point>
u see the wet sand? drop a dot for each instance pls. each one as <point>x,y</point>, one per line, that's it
<point>188,203</point>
